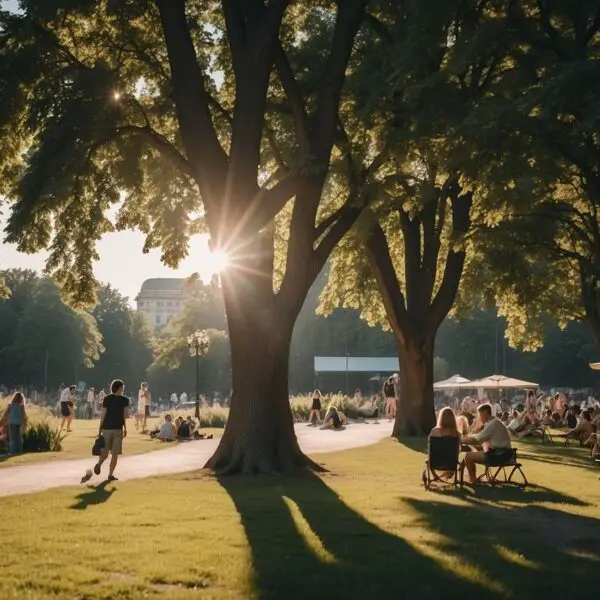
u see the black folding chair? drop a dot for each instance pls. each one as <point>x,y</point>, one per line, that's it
<point>496,469</point>
<point>442,457</point>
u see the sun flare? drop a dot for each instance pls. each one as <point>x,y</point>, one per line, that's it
<point>217,261</point>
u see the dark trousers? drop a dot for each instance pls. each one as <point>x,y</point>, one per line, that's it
<point>15,439</point>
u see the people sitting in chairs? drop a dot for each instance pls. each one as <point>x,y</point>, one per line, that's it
<point>494,439</point>
<point>582,430</point>
<point>515,423</point>
<point>548,420</point>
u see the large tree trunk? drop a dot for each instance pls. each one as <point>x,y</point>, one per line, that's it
<point>415,414</point>
<point>259,436</point>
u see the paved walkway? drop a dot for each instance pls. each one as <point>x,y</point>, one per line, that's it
<point>175,459</point>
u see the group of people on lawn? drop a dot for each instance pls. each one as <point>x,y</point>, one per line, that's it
<point>485,430</point>
<point>181,429</point>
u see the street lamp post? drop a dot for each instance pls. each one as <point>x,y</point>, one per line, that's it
<point>198,346</point>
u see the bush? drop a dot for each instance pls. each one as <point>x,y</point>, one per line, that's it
<point>42,437</point>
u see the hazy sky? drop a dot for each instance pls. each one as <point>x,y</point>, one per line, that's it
<point>122,262</point>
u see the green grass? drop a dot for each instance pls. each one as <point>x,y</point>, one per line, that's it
<point>366,529</point>
<point>78,443</point>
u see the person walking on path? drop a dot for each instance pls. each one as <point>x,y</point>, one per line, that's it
<point>67,406</point>
<point>15,418</point>
<point>113,428</point>
<point>389,393</point>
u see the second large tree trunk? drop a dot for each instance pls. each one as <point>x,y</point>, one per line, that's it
<point>415,415</point>
<point>259,436</point>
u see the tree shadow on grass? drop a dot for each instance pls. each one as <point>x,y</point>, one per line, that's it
<point>510,494</point>
<point>556,453</point>
<point>530,551</point>
<point>307,543</point>
<point>416,444</point>
<point>94,495</point>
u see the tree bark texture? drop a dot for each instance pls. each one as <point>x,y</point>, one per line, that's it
<point>415,415</point>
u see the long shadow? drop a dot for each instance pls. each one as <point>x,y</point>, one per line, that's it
<point>532,494</point>
<point>531,551</point>
<point>555,453</point>
<point>307,543</point>
<point>95,495</point>
<point>417,444</point>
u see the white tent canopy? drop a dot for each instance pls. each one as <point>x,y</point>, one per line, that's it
<point>595,366</point>
<point>452,383</point>
<point>500,382</point>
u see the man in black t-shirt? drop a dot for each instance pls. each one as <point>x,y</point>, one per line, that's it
<point>113,428</point>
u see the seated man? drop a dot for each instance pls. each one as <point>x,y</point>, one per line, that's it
<point>369,409</point>
<point>583,430</point>
<point>166,432</point>
<point>494,438</point>
<point>548,421</point>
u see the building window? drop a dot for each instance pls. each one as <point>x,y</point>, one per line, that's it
<point>177,304</point>
<point>159,303</point>
<point>158,319</point>
<point>169,304</point>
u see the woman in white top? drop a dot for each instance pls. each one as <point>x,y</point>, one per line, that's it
<point>143,407</point>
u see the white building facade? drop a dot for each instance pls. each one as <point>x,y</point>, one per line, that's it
<point>160,300</point>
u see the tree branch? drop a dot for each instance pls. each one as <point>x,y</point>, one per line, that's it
<point>387,280</point>
<point>349,16</point>
<point>192,102</point>
<point>294,97</point>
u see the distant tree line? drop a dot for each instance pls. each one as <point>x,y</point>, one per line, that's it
<point>44,343</point>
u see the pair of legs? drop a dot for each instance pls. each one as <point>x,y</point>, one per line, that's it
<point>475,457</point>
<point>90,411</point>
<point>15,440</point>
<point>314,416</point>
<point>67,416</point>
<point>114,445</point>
<point>390,408</point>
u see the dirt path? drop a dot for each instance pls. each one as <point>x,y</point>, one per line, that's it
<point>175,459</point>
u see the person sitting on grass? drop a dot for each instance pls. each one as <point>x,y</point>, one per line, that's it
<point>334,419</point>
<point>166,432</point>
<point>369,409</point>
<point>14,420</point>
<point>494,440</point>
<point>184,430</point>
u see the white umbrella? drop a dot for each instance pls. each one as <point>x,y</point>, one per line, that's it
<point>595,366</point>
<point>452,383</point>
<point>500,382</point>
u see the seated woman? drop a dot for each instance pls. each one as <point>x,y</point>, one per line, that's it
<point>334,419</point>
<point>447,426</point>
<point>462,425</point>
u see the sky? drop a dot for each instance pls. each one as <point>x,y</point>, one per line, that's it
<point>122,263</point>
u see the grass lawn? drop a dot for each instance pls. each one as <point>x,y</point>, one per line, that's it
<point>365,530</point>
<point>78,443</point>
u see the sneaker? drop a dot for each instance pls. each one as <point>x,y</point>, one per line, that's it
<point>112,478</point>
<point>87,476</point>
<point>97,468</point>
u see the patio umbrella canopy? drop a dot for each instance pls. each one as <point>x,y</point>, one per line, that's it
<point>500,382</point>
<point>452,383</point>
<point>595,366</point>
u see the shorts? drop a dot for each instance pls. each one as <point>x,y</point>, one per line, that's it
<point>113,440</point>
<point>316,404</point>
<point>495,457</point>
<point>64,409</point>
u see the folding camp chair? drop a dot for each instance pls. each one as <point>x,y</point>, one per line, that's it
<point>496,470</point>
<point>442,457</point>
